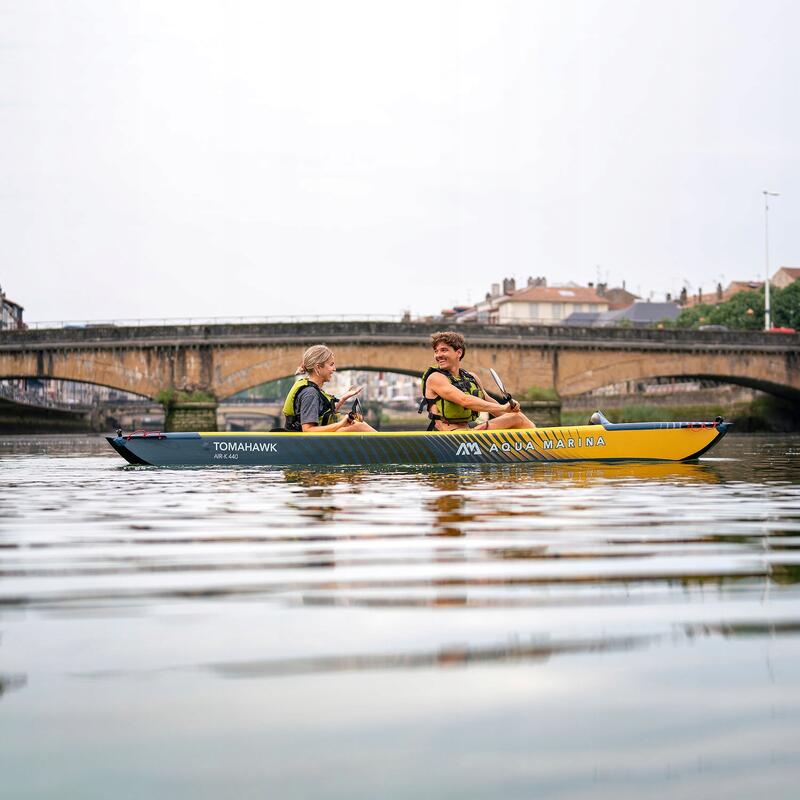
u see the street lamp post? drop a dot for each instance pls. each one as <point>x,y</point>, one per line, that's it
<point>767,195</point>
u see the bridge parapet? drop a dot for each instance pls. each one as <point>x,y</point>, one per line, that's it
<point>400,332</point>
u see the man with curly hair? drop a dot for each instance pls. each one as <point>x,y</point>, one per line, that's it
<point>454,397</point>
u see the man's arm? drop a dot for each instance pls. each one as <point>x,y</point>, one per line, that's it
<point>443,388</point>
<point>512,406</point>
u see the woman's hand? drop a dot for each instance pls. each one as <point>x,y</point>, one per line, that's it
<point>351,392</point>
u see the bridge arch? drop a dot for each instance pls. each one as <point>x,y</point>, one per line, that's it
<point>67,378</point>
<point>141,368</point>
<point>342,368</point>
<point>242,368</point>
<point>774,374</point>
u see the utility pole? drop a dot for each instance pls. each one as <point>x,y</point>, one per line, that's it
<point>767,195</point>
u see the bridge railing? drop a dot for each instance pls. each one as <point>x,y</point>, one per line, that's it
<point>145,322</point>
<point>189,329</point>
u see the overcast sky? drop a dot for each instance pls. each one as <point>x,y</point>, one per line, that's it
<point>199,158</point>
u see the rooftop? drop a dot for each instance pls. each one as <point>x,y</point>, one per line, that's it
<point>554,294</point>
<point>643,312</point>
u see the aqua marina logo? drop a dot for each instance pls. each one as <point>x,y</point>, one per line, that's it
<point>468,449</point>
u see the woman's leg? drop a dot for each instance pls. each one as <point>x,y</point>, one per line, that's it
<point>358,427</point>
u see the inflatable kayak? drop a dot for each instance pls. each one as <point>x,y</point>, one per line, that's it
<point>639,441</point>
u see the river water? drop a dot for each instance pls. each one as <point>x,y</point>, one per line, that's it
<point>547,631</point>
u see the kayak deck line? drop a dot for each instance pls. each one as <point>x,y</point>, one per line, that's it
<point>610,426</point>
<point>606,441</point>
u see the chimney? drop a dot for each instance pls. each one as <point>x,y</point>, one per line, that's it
<point>601,289</point>
<point>684,296</point>
<point>495,290</point>
<point>509,285</point>
<point>669,297</point>
<point>591,284</point>
<point>719,292</point>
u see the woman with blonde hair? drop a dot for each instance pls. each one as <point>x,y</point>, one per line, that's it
<point>309,408</point>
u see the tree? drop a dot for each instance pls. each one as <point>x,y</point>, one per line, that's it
<point>745,311</point>
<point>786,306</point>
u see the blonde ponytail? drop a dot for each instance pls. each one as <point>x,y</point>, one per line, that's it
<point>315,355</point>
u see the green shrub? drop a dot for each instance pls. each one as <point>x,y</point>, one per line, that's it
<point>539,393</point>
<point>171,397</point>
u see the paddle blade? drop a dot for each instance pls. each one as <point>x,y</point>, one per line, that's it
<point>500,385</point>
<point>496,379</point>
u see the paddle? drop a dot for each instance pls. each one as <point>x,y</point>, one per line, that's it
<point>356,412</point>
<point>501,386</point>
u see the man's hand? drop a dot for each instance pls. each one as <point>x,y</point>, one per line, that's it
<point>512,406</point>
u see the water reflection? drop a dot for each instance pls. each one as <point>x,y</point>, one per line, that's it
<point>447,657</point>
<point>461,656</point>
<point>10,682</point>
<point>452,477</point>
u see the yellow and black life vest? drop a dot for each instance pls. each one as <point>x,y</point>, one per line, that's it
<point>291,407</point>
<point>446,410</point>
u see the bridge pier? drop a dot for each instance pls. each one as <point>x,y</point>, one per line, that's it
<point>545,413</point>
<point>190,416</point>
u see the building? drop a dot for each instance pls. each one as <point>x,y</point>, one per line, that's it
<point>784,277</point>
<point>486,311</point>
<point>720,295</point>
<point>734,287</point>
<point>618,297</point>
<point>10,314</point>
<point>548,305</point>
<point>536,304</point>
<point>639,315</point>
<point>643,314</point>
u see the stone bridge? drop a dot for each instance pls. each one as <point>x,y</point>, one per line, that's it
<point>225,359</point>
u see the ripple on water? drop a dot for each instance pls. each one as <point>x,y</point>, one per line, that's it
<point>106,534</point>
